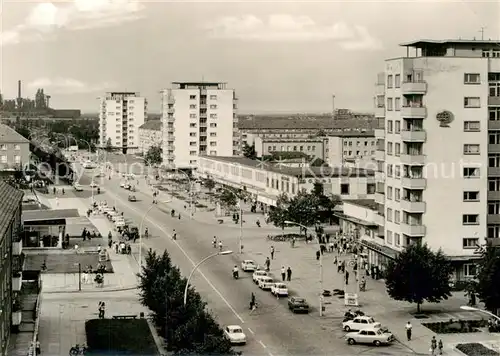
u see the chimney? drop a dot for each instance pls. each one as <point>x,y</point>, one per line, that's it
<point>333,104</point>
<point>19,89</point>
<point>47,100</point>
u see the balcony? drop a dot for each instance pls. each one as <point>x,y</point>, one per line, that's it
<point>493,219</point>
<point>379,89</point>
<point>17,282</point>
<point>412,206</point>
<point>380,133</point>
<point>412,160</point>
<point>17,248</point>
<point>203,105</point>
<point>380,188</point>
<point>203,115</point>
<point>494,195</point>
<point>412,230</point>
<point>494,171</point>
<point>413,183</point>
<point>494,124</point>
<point>378,219</point>
<point>408,88</point>
<point>379,176</point>
<point>413,136</point>
<point>379,155</point>
<point>379,198</point>
<point>494,101</point>
<point>415,111</point>
<point>380,111</point>
<point>493,148</point>
<point>170,110</point>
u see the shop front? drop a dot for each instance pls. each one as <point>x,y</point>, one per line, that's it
<point>45,228</point>
<point>378,255</point>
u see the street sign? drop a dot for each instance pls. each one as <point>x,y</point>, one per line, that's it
<point>351,299</point>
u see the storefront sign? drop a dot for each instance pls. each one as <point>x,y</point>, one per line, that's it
<point>351,299</point>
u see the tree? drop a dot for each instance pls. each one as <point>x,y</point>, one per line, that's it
<point>227,198</point>
<point>279,213</point>
<point>209,183</point>
<point>153,156</point>
<point>318,162</point>
<point>488,277</point>
<point>109,144</point>
<point>249,151</point>
<point>303,209</point>
<point>419,274</point>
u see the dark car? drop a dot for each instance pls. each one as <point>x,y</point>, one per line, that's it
<point>132,198</point>
<point>298,305</point>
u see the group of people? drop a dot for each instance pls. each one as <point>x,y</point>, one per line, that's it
<point>436,347</point>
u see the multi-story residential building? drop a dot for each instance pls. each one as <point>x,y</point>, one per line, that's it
<point>14,149</point>
<point>199,119</point>
<point>266,182</point>
<point>10,266</point>
<point>150,134</point>
<point>120,116</point>
<point>438,180</point>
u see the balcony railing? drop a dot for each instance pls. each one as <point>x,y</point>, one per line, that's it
<point>414,87</point>
<point>412,206</point>
<point>414,111</point>
<point>412,229</point>
<point>413,135</point>
<point>412,182</point>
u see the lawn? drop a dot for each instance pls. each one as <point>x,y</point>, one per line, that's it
<point>476,349</point>
<point>119,337</point>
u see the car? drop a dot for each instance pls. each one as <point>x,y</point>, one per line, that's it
<point>127,186</point>
<point>235,334</point>
<point>279,289</point>
<point>259,274</point>
<point>93,185</point>
<point>372,336</point>
<point>296,304</point>
<point>120,223</point>
<point>132,198</point>
<point>248,266</point>
<point>265,283</point>
<point>360,323</point>
<point>122,184</point>
<point>78,187</point>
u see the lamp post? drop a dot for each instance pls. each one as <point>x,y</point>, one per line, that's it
<point>240,247</point>
<point>140,230</point>
<point>320,267</point>
<point>190,193</point>
<point>468,308</point>
<point>198,265</point>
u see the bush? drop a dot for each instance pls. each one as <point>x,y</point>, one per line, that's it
<point>125,336</point>
<point>200,206</point>
<point>476,349</point>
<point>456,326</point>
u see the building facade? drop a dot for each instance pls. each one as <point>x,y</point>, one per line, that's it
<point>199,119</point>
<point>120,116</point>
<point>11,265</point>
<point>266,182</point>
<point>14,149</point>
<point>438,149</point>
<point>150,134</point>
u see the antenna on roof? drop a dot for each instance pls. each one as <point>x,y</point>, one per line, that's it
<point>482,32</point>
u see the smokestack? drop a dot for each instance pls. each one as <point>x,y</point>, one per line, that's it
<point>19,89</point>
<point>47,100</point>
<point>333,104</point>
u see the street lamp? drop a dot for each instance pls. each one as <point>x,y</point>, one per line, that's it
<point>241,217</point>
<point>140,230</point>
<point>228,252</point>
<point>288,222</point>
<point>468,308</point>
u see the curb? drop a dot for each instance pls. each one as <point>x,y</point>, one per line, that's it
<point>91,291</point>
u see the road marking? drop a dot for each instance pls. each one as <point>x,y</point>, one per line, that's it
<point>264,346</point>
<point>251,331</point>
<point>185,254</point>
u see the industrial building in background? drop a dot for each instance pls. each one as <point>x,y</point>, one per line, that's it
<point>199,119</point>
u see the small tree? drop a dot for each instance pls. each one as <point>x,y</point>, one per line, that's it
<point>488,277</point>
<point>249,151</point>
<point>227,199</point>
<point>303,209</point>
<point>419,274</point>
<point>279,214</point>
<point>109,144</point>
<point>209,183</point>
<point>153,156</point>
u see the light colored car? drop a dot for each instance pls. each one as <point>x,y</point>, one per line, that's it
<point>279,289</point>
<point>360,323</point>
<point>93,185</point>
<point>258,275</point>
<point>120,223</point>
<point>235,334</point>
<point>373,336</point>
<point>265,283</point>
<point>122,184</point>
<point>249,266</point>
<point>78,187</point>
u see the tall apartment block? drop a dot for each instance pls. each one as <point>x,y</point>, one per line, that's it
<point>120,116</point>
<point>199,119</point>
<point>438,148</point>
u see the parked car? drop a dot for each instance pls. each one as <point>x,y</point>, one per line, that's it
<point>374,336</point>
<point>78,187</point>
<point>360,323</point>
<point>132,198</point>
<point>93,185</point>
<point>265,283</point>
<point>279,289</point>
<point>259,274</point>
<point>248,266</point>
<point>235,334</point>
<point>296,305</point>
<point>120,223</point>
<point>122,184</point>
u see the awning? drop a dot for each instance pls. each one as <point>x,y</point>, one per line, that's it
<point>354,220</point>
<point>39,216</point>
<point>384,250</point>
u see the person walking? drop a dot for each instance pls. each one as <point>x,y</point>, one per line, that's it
<point>268,264</point>
<point>433,345</point>
<point>272,252</point>
<point>289,274</point>
<point>38,348</point>
<point>440,346</point>
<point>346,278</point>
<point>408,328</point>
<point>283,273</point>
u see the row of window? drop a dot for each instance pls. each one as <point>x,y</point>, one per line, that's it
<point>358,153</point>
<point>3,159</point>
<point>4,146</point>
<point>358,143</point>
<point>211,153</point>
<point>212,106</point>
<point>195,116</point>
<point>395,80</point>
<point>395,126</point>
<point>389,238</point>
<point>289,148</point>
<point>212,97</point>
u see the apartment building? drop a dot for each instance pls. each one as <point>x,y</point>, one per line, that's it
<point>120,116</point>
<point>150,134</point>
<point>199,119</point>
<point>438,148</point>
<point>266,182</point>
<point>14,149</point>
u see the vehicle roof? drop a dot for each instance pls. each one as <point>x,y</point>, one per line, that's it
<point>280,284</point>
<point>249,261</point>
<point>299,298</point>
<point>260,271</point>
<point>370,329</point>
<point>234,327</point>
<point>267,278</point>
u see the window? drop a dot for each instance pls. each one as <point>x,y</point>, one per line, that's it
<point>3,159</point>
<point>344,189</point>
<point>494,89</point>
<point>397,216</point>
<point>193,161</point>
<point>472,126</point>
<point>192,143</point>
<point>494,184</point>
<point>397,194</point>
<point>397,171</point>
<point>370,188</point>
<point>471,172</point>
<point>192,106</point>
<point>397,81</point>
<point>494,114</point>
<point>192,97</point>
<point>397,239</point>
<point>192,116</point>
<point>192,134</point>
<point>471,196</point>
<point>389,193</point>
<point>493,208</point>
<point>213,153</point>
<point>397,126</point>
<point>213,106</point>
<point>470,242</point>
<point>470,219</point>
<point>213,97</point>
<point>397,104</point>
<point>470,270</point>
<point>494,138</point>
<point>192,153</point>
<point>17,147</point>
<point>494,160</point>
<point>389,81</point>
<point>213,143</point>
<point>471,149</point>
<point>213,116</point>
<point>214,134</point>
<point>389,104</point>
<point>397,149</point>
<point>494,231</point>
<point>389,126</point>
<point>192,125</point>
<point>389,214</point>
<point>472,102</point>
<point>389,148</point>
<point>213,124</point>
<point>472,78</point>
<point>389,236</point>
<point>389,170</point>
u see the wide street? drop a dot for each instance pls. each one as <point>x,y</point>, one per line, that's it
<point>271,329</point>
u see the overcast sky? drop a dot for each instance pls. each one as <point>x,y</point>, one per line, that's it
<point>279,56</point>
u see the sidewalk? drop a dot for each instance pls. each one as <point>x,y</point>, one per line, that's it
<point>374,302</point>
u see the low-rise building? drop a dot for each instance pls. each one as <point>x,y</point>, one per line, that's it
<point>150,135</point>
<point>266,182</point>
<point>14,149</point>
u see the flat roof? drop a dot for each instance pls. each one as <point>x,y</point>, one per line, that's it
<point>314,123</point>
<point>300,172</point>
<point>39,215</point>
<point>199,83</point>
<point>365,203</point>
<point>10,198</point>
<point>422,42</point>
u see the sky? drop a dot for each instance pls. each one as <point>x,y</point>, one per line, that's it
<point>281,56</point>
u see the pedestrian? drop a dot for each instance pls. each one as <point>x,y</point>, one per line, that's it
<point>408,328</point>
<point>335,260</point>
<point>272,252</point>
<point>283,273</point>
<point>38,347</point>
<point>440,346</point>
<point>346,277</point>
<point>289,274</point>
<point>433,345</point>
<point>318,254</point>
<point>268,264</point>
